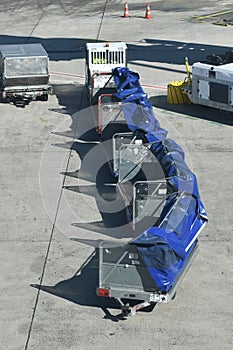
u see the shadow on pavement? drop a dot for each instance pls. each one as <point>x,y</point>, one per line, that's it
<point>81,289</point>
<point>193,110</point>
<point>172,52</point>
<point>59,49</point>
<point>148,50</point>
<point>69,97</point>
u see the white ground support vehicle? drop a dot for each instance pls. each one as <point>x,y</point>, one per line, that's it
<point>207,84</point>
<point>101,59</point>
<point>24,73</point>
<point>212,85</point>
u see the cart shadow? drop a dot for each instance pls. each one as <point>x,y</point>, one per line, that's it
<point>81,288</point>
<point>69,96</point>
<point>95,169</point>
<point>196,111</point>
<point>115,221</point>
<point>74,102</point>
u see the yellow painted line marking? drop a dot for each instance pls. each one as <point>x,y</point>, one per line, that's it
<point>214,14</point>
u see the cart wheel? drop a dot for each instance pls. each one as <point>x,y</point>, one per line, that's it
<point>20,103</point>
<point>44,97</point>
<point>125,310</point>
<point>174,296</point>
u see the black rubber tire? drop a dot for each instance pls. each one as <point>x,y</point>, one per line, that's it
<point>20,103</point>
<point>44,97</point>
<point>149,308</point>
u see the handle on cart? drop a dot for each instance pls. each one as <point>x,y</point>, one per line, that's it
<point>188,70</point>
<point>99,127</point>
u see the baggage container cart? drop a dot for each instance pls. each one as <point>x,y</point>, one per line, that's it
<point>124,277</point>
<point>24,73</point>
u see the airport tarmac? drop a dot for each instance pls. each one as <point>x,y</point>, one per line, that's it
<point>47,300</point>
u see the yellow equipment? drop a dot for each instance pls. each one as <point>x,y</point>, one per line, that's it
<point>175,89</point>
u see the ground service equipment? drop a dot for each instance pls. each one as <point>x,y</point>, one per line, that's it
<point>101,59</point>
<point>212,85</point>
<point>208,85</point>
<point>24,73</point>
<point>160,192</point>
<point>149,268</point>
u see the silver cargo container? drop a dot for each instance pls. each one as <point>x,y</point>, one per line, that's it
<point>24,73</point>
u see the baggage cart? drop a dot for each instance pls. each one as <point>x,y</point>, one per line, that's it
<point>101,59</point>
<point>24,73</point>
<point>124,277</point>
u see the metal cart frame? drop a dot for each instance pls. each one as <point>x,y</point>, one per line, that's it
<point>123,281</point>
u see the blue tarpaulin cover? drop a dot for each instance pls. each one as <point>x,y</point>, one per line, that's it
<point>166,246</point>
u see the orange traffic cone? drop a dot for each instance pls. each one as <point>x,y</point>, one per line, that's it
<point>148,15</point>
<point>126,10</point>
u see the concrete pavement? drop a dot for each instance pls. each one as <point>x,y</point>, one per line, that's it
<point>38,216</point>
